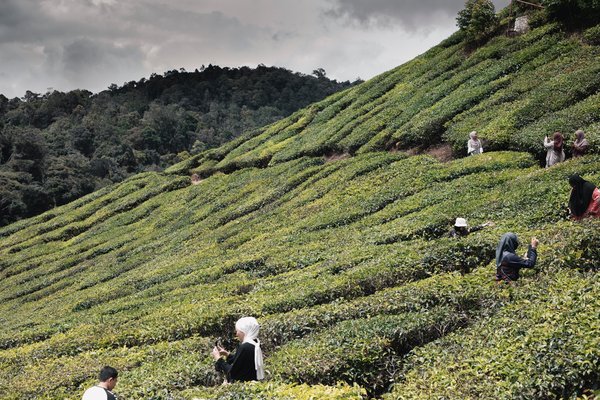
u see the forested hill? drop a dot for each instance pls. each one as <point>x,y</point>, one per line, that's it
<point>334,237</point>
<point>58,146</point>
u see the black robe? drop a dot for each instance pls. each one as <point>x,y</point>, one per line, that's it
<point>239,365</point>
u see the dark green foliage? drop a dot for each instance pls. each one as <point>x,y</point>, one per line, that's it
<point>477,20</point>
<point>94,140</point>
<point>592,35</point>
<point>573,13</point>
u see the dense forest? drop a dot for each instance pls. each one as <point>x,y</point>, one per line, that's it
<point>58,146</point>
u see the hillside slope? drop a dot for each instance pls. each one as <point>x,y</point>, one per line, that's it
<point>513,91</point>
<point>343,259</point>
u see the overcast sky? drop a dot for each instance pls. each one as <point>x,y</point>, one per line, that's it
<point>89,44</point>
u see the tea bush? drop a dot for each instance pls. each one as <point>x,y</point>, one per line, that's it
<point>530,349</point>
<point>276,391</point>
<point>592,35</point>
<point>501,90</point>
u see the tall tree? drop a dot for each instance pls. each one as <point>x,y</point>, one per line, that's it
<point>477,20</point>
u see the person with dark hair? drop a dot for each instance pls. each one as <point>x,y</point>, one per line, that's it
<point>508,263</point>
<point>103,390</point>
<point>554,149</point>
<point>585,198</point>
<point>246,364</point>
<point>580,145</point>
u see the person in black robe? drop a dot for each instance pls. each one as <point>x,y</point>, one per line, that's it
<point>246,362</point>
<point>585,198</point>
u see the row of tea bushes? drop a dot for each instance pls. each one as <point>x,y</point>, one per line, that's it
<point>507,89</point>
<point>545,344</point>
<point>178,266</point>
<point>426,217</point>
<point>156,371</point>
<point>566,74</point>
<point>360,350</point>
<point>275,391</point>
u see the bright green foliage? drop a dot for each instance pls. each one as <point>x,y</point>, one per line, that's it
<point>552,352</point>
<point>338,248</point>
<point>513,91</point>
<point>344,263</point>
<point>273,391</point>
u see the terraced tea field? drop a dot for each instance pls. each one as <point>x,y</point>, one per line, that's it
<point>337,245</point>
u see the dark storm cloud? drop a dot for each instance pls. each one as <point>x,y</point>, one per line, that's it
<point>411,14</point>
<point>68,44</point>
<point>84,58</point>
<point>37,21</point>
<point>17,17</point>
<point>11,14</point>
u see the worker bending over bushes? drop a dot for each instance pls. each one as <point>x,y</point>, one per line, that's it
<point>508,263</point>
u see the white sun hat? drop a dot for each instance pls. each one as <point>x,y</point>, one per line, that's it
<point>461,222</point>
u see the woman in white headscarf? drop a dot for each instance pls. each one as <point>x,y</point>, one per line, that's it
<point>554,149</point>
<point>474,145</point>
<point>246,363</point>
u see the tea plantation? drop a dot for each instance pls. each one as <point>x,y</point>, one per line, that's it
<point>337,245</point>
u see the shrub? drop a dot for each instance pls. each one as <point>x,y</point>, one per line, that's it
<point>573,13</point>
<point>592,35</point>
<point>276,391</point>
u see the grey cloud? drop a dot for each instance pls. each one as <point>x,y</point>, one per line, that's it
<point>411,14</point>
<point>104,61</point>
<point>13,13</point>
<point>17,18</point>
<point>35,21</point>
<point>283,36</point>
<point>89,44</point>
<point>166,18</point>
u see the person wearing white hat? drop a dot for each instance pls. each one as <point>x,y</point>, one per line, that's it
<point>246,363</point>
<point>461,228</point>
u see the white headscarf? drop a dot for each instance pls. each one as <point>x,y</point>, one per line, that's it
<point>250,327</point>
<point>474,145</point>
